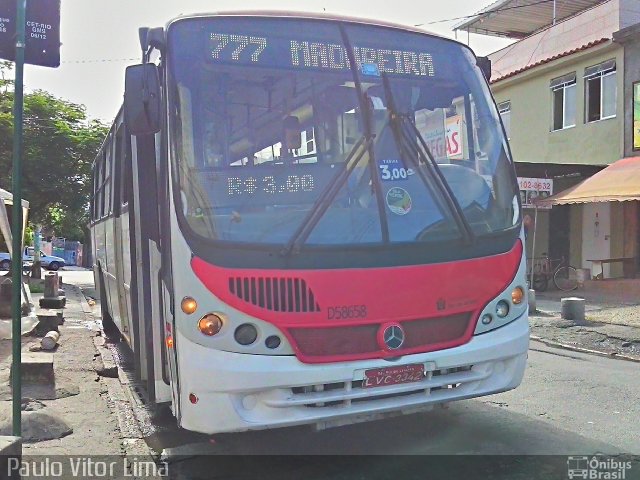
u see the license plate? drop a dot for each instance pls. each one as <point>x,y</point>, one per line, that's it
<point>382,377</point>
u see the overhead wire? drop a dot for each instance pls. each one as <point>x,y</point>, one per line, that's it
<point>480,14</point>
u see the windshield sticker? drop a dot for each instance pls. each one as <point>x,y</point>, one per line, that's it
<point>393,170</point>
<point>399,201</point>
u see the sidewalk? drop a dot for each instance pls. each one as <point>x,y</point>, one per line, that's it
<point>74,415</point>
<point>611,327</point>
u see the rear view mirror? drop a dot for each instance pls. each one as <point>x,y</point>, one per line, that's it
<point>142,99</point>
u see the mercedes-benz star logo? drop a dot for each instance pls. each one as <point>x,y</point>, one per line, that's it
<point>393,337</point>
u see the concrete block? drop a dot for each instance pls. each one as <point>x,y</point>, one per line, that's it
<point>53,302</point>
<point>51,285</point>
<point>10,446</point>
<point>572,308</point>
<point>50,340</point>
<point>48,320</point>
<point>36,367</point>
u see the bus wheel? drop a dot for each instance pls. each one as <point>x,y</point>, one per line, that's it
<point>108,326</point>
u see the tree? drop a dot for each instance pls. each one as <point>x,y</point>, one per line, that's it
<point>60,144</point>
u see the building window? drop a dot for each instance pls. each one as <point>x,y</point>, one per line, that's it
<point>600,90</point>
<point>504,108</point>
<point>563,94</point>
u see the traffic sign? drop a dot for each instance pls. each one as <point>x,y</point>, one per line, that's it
<point>42,32</point>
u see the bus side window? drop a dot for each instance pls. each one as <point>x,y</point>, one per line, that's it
<point>99,203</point>
<point>123,156</point>
<point>107,205</point>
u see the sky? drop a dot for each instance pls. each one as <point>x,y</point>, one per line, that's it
<point>99,39</point>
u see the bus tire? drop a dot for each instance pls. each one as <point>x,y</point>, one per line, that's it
<point>108,325</point>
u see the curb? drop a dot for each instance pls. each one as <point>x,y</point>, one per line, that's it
<point>551,343</point>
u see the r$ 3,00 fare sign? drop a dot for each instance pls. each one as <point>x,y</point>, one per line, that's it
<point>42,32</point>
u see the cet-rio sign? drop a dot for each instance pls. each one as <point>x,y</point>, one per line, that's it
<point>42,32</point>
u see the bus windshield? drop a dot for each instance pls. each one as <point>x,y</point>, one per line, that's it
<point>296,132</point>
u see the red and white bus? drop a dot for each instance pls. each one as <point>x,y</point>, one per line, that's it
<point>306,219</point>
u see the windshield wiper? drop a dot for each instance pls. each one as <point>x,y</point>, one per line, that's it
<point>366,142</point>
<point>323,202</point>
<point>363,99</point>
<point>403,129</point>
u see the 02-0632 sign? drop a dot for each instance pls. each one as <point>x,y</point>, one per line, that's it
<point>532,188</point>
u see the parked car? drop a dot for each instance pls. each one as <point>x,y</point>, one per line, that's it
<point>47,261</point>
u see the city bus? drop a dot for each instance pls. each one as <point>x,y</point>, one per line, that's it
<point>309,219</point>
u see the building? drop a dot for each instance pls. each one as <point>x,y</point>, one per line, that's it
<point>564,90</point>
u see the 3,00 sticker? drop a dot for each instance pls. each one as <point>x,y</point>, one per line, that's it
<point>393,170</point>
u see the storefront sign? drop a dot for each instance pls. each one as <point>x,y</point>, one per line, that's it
<point>454,137</point>
<point>532,188</point>
<point>442,135</point>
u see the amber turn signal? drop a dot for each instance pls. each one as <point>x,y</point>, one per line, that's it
<point>188,305</point>
<point>210,324</point>
<point>517,295</point>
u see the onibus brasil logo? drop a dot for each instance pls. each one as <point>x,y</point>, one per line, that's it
<point>597,467</point>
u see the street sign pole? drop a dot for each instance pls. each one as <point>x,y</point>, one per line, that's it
<point>16,260</point>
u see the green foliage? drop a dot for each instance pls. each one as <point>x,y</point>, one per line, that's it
<point>60,144</point>
<point>28,235</point>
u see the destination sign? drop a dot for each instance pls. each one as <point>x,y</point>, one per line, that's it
<point>42,32</point>
<point>308,54</point>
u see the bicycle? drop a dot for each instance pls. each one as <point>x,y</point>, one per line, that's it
<point>564,275</point>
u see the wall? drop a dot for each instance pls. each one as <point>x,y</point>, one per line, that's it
<point>589,26</point>
<point>617,237</point>
<point>575,242</point>
<point>531,138</point>
<point>542,233</point>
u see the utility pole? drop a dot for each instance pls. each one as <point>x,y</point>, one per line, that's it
<point>16,261</point>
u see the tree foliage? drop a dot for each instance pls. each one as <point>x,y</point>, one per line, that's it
<point>59,146</point>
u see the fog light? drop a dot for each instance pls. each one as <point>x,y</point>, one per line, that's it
<point>272,342</point>
<point>246,334</point>
<point>188,305</point>
<point>210,324</point>
<point>502,309</point>
<point>517,295</point>
<point>487,319</point>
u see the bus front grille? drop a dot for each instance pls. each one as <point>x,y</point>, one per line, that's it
<point>327,344</point>
<point>276,294</point>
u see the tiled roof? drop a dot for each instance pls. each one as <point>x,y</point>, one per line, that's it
<point>586,46</point>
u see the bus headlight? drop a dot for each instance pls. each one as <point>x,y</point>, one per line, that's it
<point>210,324</point>
<point>517,295</point>
<point>188,305</point>
<point>246,334</point>
<point>502,309</point>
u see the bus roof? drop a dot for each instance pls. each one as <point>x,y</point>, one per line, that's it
<point>315,16</point>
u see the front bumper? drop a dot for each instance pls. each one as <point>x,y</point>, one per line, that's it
<point>238,392</point>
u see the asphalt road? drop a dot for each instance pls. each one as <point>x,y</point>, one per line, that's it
<point>568,404</point>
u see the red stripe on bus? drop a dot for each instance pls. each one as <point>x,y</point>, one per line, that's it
<point>327,302</point>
